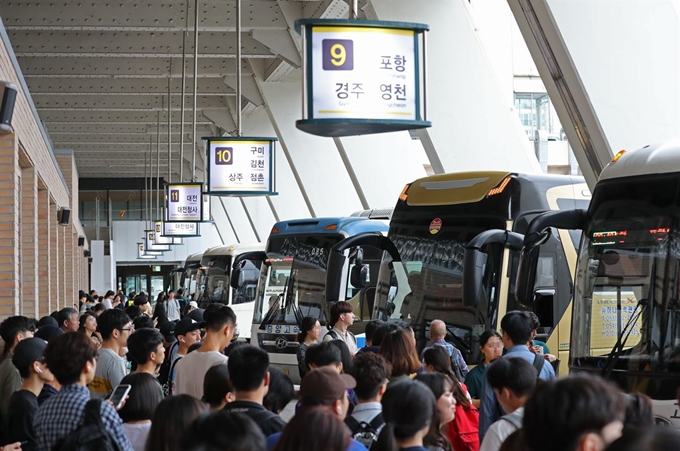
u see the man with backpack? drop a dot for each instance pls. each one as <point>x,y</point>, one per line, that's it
<point>342,318</point>
<point>187,333</point>
<point>438,338</point>
<point>512,380</point>
<point>371,372</point>
<point>516,327</point>
<point>69,420</point>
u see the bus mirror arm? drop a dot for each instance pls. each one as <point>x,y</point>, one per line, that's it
<point>336,258</point>
<point>537,234</point>
<point>239,261</point>
<point>475,262</point>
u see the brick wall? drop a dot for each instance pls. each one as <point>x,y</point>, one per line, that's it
<point>41,265</point>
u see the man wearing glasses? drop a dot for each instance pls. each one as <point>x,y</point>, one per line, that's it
<point>115,328</point>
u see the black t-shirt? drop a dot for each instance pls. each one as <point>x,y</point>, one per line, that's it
<point>19,423</point>
<point>269,422</point>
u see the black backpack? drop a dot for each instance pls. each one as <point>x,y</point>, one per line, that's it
<point>91,435</point>
<point>164,371</point>
<point>365,433</point>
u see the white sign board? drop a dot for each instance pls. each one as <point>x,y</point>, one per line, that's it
<point>185,202</point>
<point>363,73</point>
<point>149,241</point>
<point>159,238</point>
<point>178,229</point>
<point>142,254</point>
<point>240,166</point>
<point>206,208</point>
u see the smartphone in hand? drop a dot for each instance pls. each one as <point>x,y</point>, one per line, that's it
<point>119,394</point>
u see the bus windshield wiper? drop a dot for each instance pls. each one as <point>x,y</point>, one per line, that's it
<point>621,340</point>
<point>269,317</point>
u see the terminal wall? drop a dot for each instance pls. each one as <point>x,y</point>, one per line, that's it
<point>41,265</point>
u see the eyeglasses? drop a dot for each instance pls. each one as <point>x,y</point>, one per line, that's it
<point>130,328</point>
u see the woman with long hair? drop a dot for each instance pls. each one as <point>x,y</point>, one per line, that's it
<point>398,348</point>
<point>491,346</point>
<point>310,333</point>
<point>160,312</point>
<point>171,419</point>
<point>88,326</point>
<point>409,409</point>
<point>314,428</point>
<point>441,386</point>
<point>463,431</point>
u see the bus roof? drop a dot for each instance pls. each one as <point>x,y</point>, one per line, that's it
<point>348,226</point>
<point>651,159</point>
<point>194,258</point>
<point>233,249</point>
<point>468,187</point>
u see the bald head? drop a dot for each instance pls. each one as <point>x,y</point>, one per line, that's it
<point>437,330</point>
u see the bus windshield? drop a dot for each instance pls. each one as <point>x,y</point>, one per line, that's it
<point>427,283</point>
<point>628,285</point>
<point>292,279</point>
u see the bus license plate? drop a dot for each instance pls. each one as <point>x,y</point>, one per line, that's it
<point>281,329</point>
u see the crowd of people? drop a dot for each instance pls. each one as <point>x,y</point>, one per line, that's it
<point>190,386</point>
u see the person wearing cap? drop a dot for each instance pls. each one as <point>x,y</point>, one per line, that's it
<point>13,330</point>
<point>168,331</point>
<point>187,332</point>
<point>324,387</point>
<point>249,375</point>
<point>27,358</point>
<point>193,305</point>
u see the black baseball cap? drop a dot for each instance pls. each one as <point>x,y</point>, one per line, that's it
<point>168,331</point>
<point>186,325</point>
<point>28,351</point>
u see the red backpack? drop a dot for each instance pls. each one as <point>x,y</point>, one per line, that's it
<point>463,431</point>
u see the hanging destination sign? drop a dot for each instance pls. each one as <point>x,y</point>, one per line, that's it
<point>362,77</point>
<point>241,166</point>
<point>185,202</point>
<point>180,229</point>
<point>149,241</point>
<point>144,254</point>
<point>161,239</point>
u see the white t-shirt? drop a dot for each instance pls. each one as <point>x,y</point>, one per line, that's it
<point>111,369</point>
<point>137,434</point>
<point>190,371</point>
<point>107,303</point>
<point>498,432</point>
<point>173,309</point>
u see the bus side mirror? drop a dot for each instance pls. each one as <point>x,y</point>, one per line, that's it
<point>473,273</point>
<point>336,260</point>
<point>235,277</point>
<point>526,275</point>
<point>543,295</point>
<point>359,277</point>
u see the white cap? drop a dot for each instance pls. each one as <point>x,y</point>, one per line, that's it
<point>193,304</point>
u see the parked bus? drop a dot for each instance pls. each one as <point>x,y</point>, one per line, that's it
<point>626,318</point>
<point>421,274</point>
<point>292,281</point>
<point>213,280</point>
<point>189,271</point>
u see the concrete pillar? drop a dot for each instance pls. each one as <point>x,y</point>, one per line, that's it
<point>55,270</point>
<point>64,251</point>
<point>68,267</point>
<point>45,232</point>
<point>9,226</point>
<point>29,242</point>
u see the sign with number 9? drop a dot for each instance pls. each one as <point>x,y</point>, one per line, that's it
<point>338,54</point>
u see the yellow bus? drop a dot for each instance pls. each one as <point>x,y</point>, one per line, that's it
<point>422,271</point>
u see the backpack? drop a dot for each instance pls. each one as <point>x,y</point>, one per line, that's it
<point>539,361</point>
<point>463,431</point>
<point>164,371</point>
<point>365,433</point>
<point>455,367</point>
<point>514,418</point>
<point>334,335</point>
<point>91,435</point>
